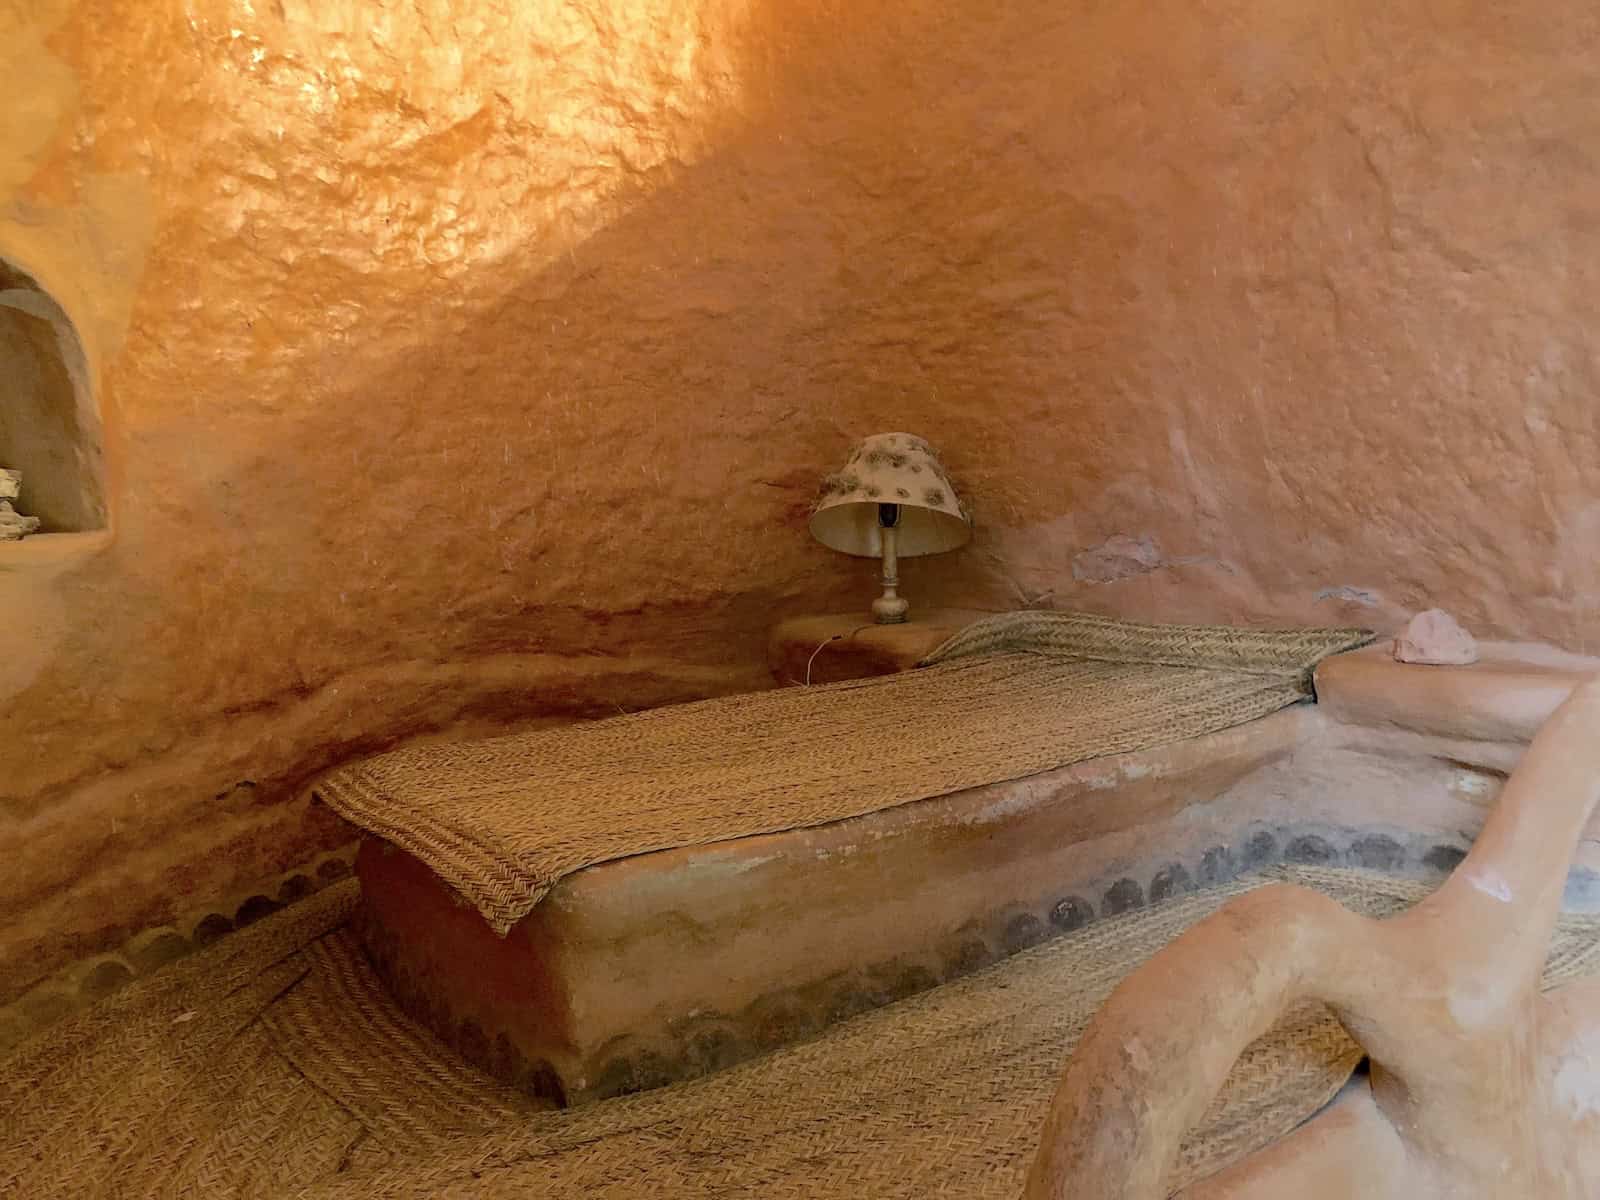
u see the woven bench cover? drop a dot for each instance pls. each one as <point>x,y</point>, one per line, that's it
<point>503,819</point>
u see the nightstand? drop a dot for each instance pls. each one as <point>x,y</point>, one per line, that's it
<point>850,646</point>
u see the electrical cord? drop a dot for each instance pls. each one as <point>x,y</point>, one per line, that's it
<point>831,638</point>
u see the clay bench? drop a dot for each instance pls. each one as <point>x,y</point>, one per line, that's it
<point>633,973</point>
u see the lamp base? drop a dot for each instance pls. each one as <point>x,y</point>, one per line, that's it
<point>890,610</point>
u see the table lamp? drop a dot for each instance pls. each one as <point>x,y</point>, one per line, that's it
<point>892,500</point>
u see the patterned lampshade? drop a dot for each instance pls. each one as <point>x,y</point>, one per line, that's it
<point>891,468</point>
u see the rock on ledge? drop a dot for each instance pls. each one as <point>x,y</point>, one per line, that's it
<point>13,525</point>
<point>1435,638</point>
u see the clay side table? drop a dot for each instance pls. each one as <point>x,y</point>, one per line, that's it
<point>849,646</point>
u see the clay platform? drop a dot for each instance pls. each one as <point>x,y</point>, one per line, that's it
<point>634,973</point>
<point>824,649</point>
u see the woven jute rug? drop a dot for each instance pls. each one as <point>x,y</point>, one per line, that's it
<point>502,820</point>
<point>274,1065</point>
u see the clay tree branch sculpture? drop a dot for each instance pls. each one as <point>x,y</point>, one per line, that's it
<point>1479,1085</point>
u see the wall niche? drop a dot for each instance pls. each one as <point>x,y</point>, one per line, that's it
<point>49,424</point>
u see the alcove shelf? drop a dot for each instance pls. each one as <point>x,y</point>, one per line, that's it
<point>50,428</point>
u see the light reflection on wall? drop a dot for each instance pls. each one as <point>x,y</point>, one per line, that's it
<point>448,135</point>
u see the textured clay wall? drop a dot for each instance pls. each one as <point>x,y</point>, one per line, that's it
<point>468,364</point>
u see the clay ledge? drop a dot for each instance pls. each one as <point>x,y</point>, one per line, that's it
<point>53,549</point>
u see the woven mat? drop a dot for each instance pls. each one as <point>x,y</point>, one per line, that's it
<point>274,1065</point>
<point>1215,647</point>
<point>503,820</point>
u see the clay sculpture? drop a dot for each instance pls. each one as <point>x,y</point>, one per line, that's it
<point>1479,1086</point>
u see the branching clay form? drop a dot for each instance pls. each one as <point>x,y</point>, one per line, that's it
<point>1479,1087</point>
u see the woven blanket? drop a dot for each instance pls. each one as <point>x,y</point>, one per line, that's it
<point>502,820</point>
<point>274,1065</point>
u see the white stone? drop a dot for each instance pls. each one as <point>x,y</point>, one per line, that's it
<point>10,484</point>
<point>13,525</point>
<point>1435,638</point>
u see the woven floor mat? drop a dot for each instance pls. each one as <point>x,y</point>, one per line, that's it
<point>339,1028</point>
<point>274,1065</point>
<point>941,1094</point>
<point>172,1086</point>
<point>502,820</point>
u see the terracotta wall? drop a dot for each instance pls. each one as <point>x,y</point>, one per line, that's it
<point>464,364</point>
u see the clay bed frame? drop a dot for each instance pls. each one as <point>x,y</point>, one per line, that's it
<point>635,973</point>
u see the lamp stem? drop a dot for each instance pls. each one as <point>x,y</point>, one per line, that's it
<point>890,608</point>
